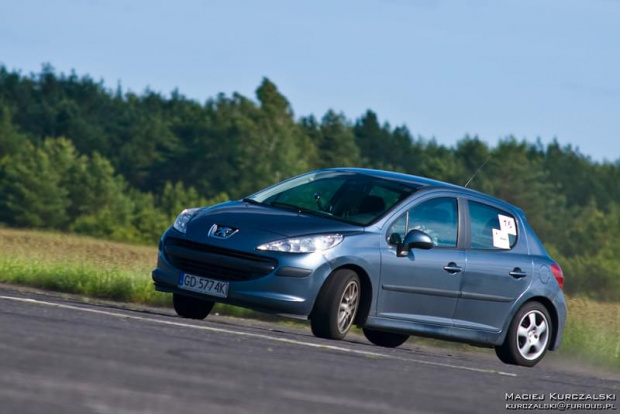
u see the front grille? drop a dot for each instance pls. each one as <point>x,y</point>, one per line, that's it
<point>216,262</point>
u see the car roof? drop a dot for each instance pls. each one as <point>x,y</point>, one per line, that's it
<point>423,182</point>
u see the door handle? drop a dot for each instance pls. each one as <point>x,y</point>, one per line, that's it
<point>517,273</point>
<point>452,268</point>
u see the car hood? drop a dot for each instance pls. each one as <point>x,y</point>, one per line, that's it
<point>265,222</point>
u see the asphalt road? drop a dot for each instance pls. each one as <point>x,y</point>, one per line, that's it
<point>61,355</point>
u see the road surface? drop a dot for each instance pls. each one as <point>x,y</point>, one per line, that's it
<point>59,354</point>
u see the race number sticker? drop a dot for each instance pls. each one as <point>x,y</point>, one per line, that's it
<point>507,224</point>
<point>500,239</point>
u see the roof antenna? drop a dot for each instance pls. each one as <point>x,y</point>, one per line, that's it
<point>477,171</point>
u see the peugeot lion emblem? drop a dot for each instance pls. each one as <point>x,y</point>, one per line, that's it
<point>221,232</point>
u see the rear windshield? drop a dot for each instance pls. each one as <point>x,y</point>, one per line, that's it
<point>351,197</point>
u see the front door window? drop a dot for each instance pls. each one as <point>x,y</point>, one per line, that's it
<point>437,217</point>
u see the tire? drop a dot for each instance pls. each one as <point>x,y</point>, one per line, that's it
<point>191,308</point>
<point>385,339</point>
<point>528,337</point>
<point>336,306</point>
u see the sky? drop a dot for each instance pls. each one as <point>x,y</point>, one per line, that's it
<point>534,69</point>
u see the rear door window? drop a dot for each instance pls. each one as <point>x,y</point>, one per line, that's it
<point>491,228</point>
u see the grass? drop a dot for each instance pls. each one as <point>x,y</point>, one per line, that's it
<point>593,332</point>
<point>81,265</point>
<point>122,272</point>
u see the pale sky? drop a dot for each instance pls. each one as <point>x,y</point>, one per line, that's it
<point>444,68</point>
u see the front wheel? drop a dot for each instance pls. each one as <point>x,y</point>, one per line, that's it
<point>191,308</point>
<point>336,306</point>
<point>385,339</point>
<point>528,337</point>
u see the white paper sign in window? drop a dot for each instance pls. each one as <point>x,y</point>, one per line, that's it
<point>500,239</point>
<point>507,224</point>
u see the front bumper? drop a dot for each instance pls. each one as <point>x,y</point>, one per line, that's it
<point>289,289</point>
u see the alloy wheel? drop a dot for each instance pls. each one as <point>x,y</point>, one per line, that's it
<point>532,335</point>
<point>348,306</point>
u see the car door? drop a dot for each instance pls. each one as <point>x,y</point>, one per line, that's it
<point>499,268</point>
<point>424,285</point>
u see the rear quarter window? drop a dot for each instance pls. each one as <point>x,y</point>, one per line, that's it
<point>491,228</point>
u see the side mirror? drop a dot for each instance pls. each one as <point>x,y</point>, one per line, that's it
<point>415,239</point>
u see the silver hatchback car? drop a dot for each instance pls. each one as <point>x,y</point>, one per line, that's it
<point>395,254</point>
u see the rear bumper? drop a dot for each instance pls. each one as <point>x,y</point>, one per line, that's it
<point>560,307</point>
<point>290,289</point>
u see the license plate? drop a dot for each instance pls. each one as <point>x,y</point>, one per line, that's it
<point>203,285</point>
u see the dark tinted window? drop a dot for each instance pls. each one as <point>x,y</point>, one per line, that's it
<point>304,196</point>
<point>491,228</point>
<point>354,198</point>
<point>437,217</point>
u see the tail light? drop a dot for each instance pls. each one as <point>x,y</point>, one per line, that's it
<point>557,273</point>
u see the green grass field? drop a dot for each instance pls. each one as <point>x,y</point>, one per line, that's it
<point>122,272</point>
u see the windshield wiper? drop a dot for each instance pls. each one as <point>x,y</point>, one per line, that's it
<point>298,209</point>
<point>284,205</point>
<point>310,212</point>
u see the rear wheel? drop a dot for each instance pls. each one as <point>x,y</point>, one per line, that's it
<point>385,339</point>
<point>336,306</point>
<point>191,308</point>
<point>528,337</point>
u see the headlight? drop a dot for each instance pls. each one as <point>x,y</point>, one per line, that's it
<point>304,244</point>
<point>181,222</point>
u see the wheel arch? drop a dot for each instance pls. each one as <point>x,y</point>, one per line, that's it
<point>553,314</point>
<point>365,289</point>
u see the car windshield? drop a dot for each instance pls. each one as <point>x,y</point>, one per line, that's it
<point>346,196</point>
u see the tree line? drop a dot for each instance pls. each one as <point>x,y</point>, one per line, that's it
<point>78,156</point>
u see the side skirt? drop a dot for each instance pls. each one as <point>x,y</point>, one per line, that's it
<point>449,333</point>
